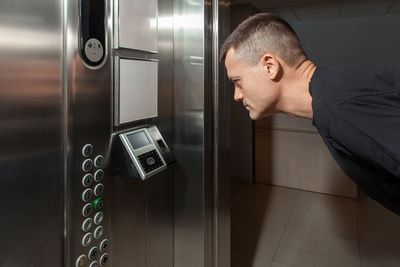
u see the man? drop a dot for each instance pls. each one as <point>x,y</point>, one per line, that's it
<point>356,109</point>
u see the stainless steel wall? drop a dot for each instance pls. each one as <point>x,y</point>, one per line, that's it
<point>88,120</point>
<point>142,211</point>
<point>31,179</point>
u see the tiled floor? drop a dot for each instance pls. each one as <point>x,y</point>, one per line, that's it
<point>274,226</point>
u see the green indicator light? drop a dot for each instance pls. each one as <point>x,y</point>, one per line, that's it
<point>98,203</point>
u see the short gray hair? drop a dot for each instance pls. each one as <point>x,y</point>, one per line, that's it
<point>264,33</point>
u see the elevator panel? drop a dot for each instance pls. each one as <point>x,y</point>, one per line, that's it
<point>136,25</point>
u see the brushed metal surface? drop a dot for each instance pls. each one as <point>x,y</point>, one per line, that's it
<point>136,25</point>
<point>142,219</point>
<point>31,180</point>
<point>189,225</point>
<point>88,116</point>
<point>221,138</point>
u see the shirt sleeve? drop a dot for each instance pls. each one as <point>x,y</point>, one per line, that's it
<point>368,129</point>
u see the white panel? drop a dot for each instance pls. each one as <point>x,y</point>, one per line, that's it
<point>137,24</point>
<point>137,90</point>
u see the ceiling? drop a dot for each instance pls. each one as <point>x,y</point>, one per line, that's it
<point>319,9</point>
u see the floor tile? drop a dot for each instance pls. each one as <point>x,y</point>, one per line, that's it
<point>307,247</point>
<point>328,214</point>
<point>377,256</point>
<point>277,264</point>
<point>244,259</point>
<point>269,202</point>
<point>378,225</point>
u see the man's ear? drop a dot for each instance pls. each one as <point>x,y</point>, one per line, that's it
<point>271,65</point>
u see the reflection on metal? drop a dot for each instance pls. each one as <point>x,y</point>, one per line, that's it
<point>31,180</point>
<point>189,221</point>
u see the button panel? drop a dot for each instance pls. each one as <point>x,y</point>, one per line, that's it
<point>87,180</point>
<point>98,161</point>
<point>90,178</point>
<point>81,261</point>
<point>93,252</point>
<point>99,175</point>
<point>87,224</point>
<point>87,195</point>
<point>98,218</point>
<point>150,161</point>
<point>104,245</point>
<point>104,259</point>
<point>87,165</point>
<point>87,239</point>
<point>98,233</point>
<point>99,190</point>
<point>87,210</point>
<point>87,150</point>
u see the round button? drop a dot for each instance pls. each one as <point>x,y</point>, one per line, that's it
<point>81,261</point>
<point>94,50</point>
<point>99,175</point>
<point>98,218</point>
<point>98,161</point>
<point>87,209</point>
<point>104,245</point>
<point>87,224</point>
<point>104,259</point>
<point>98,203</point>
<point>93,252</point>
<point>87,239</point>
<point>87,150</point>
<point>94,264</point>
<point>87,165</point>
<point>87,195</point>
<point>98,190</point>
<point>150,161</point>
<point>98,232</point>
<point>87,180</point>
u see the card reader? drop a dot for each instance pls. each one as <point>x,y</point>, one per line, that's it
<point>143,153</point>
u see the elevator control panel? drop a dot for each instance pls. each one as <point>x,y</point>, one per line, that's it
<point>92,31</point>
<point>146,151</point>
<point>92,231</point>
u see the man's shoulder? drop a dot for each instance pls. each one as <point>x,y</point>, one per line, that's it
<point>338,83</point>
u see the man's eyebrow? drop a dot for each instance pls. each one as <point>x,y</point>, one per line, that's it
<point>233,78</point>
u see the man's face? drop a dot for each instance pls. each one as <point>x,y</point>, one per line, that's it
<point>253,86</point>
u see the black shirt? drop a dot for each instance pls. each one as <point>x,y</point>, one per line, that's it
<point>356,110</point>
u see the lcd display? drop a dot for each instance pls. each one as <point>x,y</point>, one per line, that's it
<point>138,140</point>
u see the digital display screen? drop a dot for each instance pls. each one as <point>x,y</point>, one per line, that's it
<point>138,140</point>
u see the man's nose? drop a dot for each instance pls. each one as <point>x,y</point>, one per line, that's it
<point>238,96</point>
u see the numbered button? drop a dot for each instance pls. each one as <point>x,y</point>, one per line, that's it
<point>104,259</point>
<point>98,203</point>
<point>99,175</point>
<point>98,161</point>
<point>87,165</point>
<point>104,245</point>
<point>87,210</point>
<point>87,180</point>
<point>94,264</point>
<point>87,239</point>
<point>93,252</point>
<point>87,195</point>
<point>98,218</point>
<point>87,224</point>
<point>99,232</point>
<point>87,150</point>
<point>81,261</point>
<point>99,190</point>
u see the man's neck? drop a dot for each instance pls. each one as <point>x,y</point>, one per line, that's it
<point>295,97</point>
